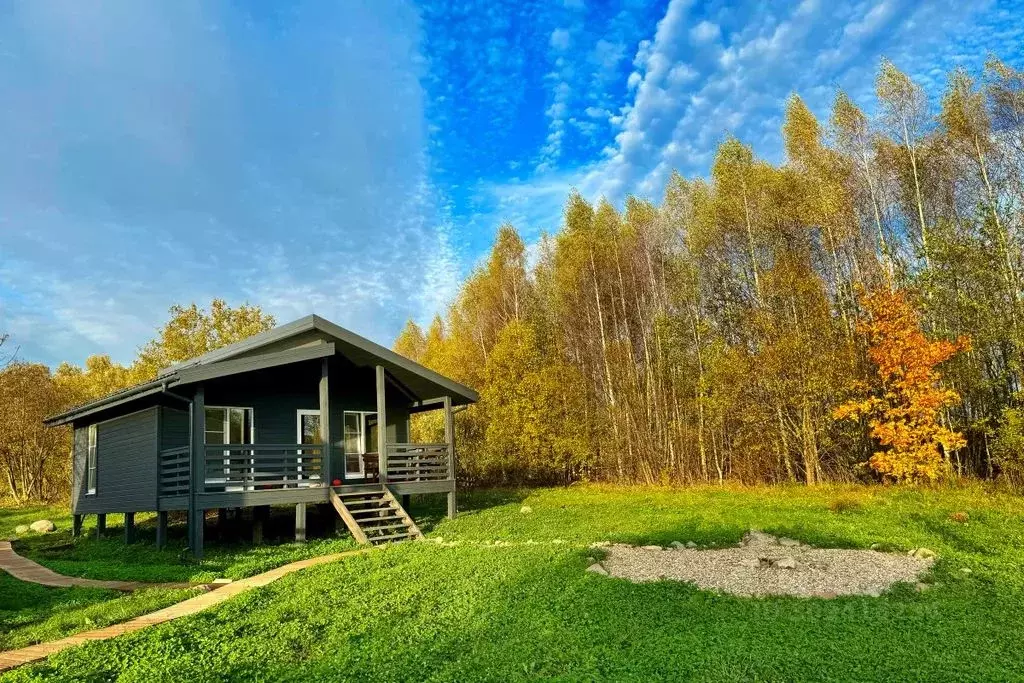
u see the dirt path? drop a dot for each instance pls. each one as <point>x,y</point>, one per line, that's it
<point>33,653</point>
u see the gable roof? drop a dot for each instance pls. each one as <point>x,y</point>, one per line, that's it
<point>314,336</point>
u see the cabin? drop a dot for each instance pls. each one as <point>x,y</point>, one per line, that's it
<point>305,413</point>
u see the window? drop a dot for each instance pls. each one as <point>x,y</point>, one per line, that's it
<point>90,462</point>
<point>228,425</point>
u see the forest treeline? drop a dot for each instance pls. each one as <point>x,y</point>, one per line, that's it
<point>856,312</point>
<point>725,332</point>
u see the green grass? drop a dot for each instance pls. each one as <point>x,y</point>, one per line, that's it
<point>109,558</point>
<point>30,613</point>
<point>478,611</point>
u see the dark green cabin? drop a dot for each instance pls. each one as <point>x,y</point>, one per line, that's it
<point>308,412</point>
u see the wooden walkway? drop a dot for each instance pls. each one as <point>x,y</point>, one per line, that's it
<point>33,653</point>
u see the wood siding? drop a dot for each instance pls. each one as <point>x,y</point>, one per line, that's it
<point>126,452</point>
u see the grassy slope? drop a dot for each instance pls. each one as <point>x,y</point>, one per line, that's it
<point>471,612</point>
<point>110,558</point>
<point>30,613</point>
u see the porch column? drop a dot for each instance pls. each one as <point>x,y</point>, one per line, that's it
<point>449,438</point>
<point>325,422</point>
<point>161,529</point>
<point>382,426</point>
<point>129,528</point>
<point>300,522</point>
<point>198,472</point>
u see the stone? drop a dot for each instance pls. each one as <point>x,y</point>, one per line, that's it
<point>923,553</point>
<point>691,544</point>
<point>876,546</point>
<point>526,509</point>
<point>677,545</point>
<point>786,563</point>
<point>751,562</point>
<point>21,529</point>
<point>652,547</point>
<point>598,568</point>
<point>755,538</point>
<point>43,526</point>
<point>789,543</point>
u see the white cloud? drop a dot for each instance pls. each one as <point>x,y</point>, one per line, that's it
<point>705,31</point>
<point>560,39</point>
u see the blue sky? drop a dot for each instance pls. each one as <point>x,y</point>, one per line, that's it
<point>355,159</point>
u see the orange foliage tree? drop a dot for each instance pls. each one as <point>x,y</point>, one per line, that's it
<point>903,409</point>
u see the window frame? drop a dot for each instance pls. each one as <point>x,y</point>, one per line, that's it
<point>91,461</point>
<point>363,416</point>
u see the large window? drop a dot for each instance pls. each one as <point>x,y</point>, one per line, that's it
<point>90,462</point>
<point>228,425</point>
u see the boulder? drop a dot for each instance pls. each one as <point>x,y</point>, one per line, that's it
<point>677,545</point>
<point>597,568</point>
<point>691,544</point>
<point>526,509</point>
<point>43,526</point>
<point>21,529</point>
<point>786,563</point>
<point>922,553</point>
<point>652,547</point>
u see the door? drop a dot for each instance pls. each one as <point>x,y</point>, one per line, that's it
<point>360,439</point>
<point>307,424</point>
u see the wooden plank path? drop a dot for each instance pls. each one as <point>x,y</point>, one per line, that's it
<point>33,653</point>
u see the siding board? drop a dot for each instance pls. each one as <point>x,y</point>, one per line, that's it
<point>125,465</point>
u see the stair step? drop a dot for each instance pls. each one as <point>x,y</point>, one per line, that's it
<point>352,494</point>
<point>384,527</point>
<point>364,521</point>
<point>363,504</point>
<point>381,539</point>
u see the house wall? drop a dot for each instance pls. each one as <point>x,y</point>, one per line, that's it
<point>277,394</point>
<point>126,464</point>
<point>173,428</point>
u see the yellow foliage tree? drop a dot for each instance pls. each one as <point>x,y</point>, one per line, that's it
<point>903,411</point>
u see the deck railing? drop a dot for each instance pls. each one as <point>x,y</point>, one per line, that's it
<point>417,462</point>
<point>258,467</point>
<point>174,472</point>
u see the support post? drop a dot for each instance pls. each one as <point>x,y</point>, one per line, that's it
<point>449,439</point>
<point>406,502</point>
<point>161,529</point>
<point>300,522</point>
<point>197,468</point>
<point>325,422</point>
<point>382,426</point>
<point>76,526</point>
<point>101,524</point>
<point>129,528</point>
<point>259,515</point>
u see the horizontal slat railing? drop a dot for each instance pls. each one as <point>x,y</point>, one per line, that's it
<point>174,471</point>
<point>417,462</point>
<point>259,467</point>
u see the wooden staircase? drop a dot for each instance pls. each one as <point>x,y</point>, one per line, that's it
<point>373,515</point>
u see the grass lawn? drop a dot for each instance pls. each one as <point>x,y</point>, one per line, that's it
<point>478,611</point>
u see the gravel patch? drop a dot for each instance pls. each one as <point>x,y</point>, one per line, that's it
<point>765,565</point>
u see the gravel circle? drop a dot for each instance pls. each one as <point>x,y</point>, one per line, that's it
<point>764,565</point>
